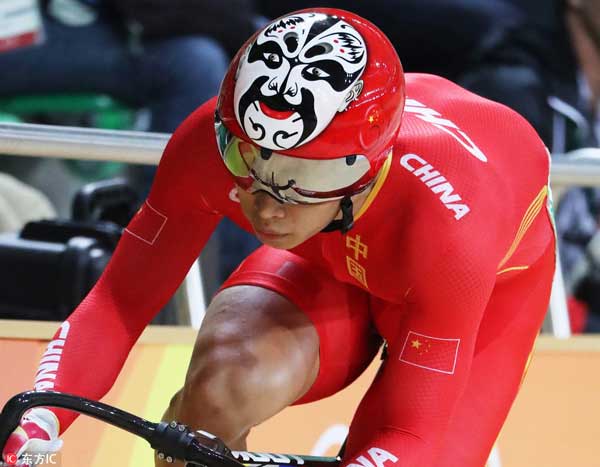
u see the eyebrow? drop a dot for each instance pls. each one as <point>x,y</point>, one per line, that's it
<point>270,45</point>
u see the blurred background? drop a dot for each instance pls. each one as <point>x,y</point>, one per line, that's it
<point>144,65</point>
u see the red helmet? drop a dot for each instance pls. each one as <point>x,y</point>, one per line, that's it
<point>310,106</point>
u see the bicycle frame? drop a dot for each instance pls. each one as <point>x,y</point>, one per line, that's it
<point>173,441</point>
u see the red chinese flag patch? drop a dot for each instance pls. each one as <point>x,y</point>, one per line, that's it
<point>147,224</point>
<point>430,353</point>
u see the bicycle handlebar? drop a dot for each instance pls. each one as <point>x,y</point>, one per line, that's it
<point>172,440</point>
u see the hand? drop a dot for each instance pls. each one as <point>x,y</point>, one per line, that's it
<point>36,434</point>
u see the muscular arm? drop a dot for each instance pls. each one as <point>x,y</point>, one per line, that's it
<point>403,417</point>
<point>444,273</point>
<point>152,258</point>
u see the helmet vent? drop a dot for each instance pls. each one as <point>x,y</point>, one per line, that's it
<point>319,49</point>
<point>291,41</point>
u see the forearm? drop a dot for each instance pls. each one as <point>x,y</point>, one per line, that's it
<point>89,350</point>
<point>93,348</point>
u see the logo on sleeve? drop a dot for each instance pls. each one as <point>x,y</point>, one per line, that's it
<point>376,457</point>
<point>436,119</point>
<point>147,224</point>
<point>431,353</point>
<point>436,182</point>
<point>48,368</point>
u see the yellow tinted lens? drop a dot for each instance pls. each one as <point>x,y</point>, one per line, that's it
<point>239,157</point>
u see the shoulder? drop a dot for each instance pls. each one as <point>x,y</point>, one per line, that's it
<point>452,136</point>
<point>438,101</point>
<point>464,172</point>
<point>190,172</point>
<point>196,127</point>
<point>443,92</point>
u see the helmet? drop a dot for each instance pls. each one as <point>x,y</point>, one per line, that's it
<point>310,106</point>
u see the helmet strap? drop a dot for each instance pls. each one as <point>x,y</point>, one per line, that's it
<point>347,221</point>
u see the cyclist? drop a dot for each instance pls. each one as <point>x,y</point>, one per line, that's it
<point>392,208</point>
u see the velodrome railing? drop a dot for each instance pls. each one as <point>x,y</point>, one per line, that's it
<point>580,167</point>
<point>103,145</point>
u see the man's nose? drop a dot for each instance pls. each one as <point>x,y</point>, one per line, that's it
<point>289,86</point>
<point>267,207</point>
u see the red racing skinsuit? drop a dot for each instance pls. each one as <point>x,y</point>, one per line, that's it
<point>450,260</point>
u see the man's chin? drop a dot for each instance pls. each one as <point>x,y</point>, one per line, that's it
<point>282,242</point>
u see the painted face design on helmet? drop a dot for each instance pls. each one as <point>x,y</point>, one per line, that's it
<point>296,76</point>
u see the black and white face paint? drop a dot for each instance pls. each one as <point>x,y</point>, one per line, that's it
<point>296,76</point>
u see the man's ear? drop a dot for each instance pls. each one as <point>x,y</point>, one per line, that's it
<point>353,94</point>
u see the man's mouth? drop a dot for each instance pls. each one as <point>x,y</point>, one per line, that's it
<point>269,234</point>
<point>276,114</point>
